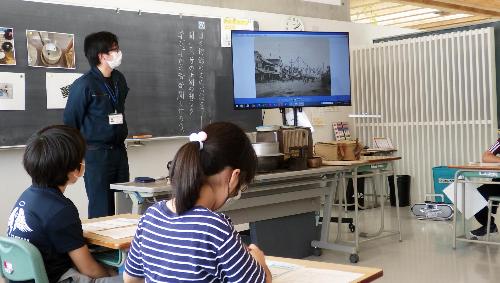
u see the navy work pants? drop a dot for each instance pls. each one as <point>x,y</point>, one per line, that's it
<point>104,165</point>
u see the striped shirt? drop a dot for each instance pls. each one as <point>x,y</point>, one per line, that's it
<point>198,246</point>
<point>495,149</point>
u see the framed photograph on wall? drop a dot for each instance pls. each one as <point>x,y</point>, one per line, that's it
<point>51,49</point>
<point>12,91</point>
<point>58,85</point>
<point>7,48</point>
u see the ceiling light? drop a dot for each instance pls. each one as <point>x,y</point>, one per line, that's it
<point>409,19</point>
<point>435,20</point>
<point>406,14</point>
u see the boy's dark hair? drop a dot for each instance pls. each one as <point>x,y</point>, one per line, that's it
<point>227,145</point>
<point>97,43</point>
<point>52,153</point>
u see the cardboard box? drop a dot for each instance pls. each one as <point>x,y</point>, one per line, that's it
<point>338,150</point>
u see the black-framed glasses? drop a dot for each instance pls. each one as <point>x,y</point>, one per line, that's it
<point>243,187</point>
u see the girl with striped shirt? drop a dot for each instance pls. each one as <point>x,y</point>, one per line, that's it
<point>185,239</point>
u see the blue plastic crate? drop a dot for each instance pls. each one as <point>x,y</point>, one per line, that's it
<point>443,176</point>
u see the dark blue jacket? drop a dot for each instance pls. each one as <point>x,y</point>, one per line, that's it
<point>90,103</point>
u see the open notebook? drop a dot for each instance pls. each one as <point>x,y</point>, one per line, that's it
<point>291,273</point>
<point>116,228</point>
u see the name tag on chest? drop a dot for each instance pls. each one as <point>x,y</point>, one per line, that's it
<point>116,119</point>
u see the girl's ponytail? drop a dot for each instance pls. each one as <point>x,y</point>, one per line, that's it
<point>219,145</point>
<point>186,174</point>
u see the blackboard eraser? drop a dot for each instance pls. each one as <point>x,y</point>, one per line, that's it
<point>144,180</point>
<point>141,136</point>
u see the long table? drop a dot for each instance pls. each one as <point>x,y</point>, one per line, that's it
<point>471,174</point>
<point>121,247</point>
<point>288,193</point>
<point>270,196</point>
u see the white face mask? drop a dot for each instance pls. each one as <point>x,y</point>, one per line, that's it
<point>116,60</point>
<point>230,201</point>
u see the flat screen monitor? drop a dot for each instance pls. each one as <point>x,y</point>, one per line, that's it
<point>283,69</point>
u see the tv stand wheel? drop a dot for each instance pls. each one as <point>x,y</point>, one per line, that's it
<point>317,251</point>
<point>352,227</point>
<point>354,258</point>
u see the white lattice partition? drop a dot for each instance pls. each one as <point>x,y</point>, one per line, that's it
<point>437,98</point>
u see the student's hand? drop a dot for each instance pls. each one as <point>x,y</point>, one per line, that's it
<point>257,254</point>
<point>131,279</point>
<point>111,271</point>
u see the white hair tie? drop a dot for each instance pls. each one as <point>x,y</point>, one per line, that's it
<point>199,137</point>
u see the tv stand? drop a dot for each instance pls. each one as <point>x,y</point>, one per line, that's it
<point>295,120</point>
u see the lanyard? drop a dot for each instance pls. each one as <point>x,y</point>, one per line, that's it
<point>113,95</point>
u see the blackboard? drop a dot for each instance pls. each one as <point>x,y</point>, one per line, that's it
<point>170,94</point>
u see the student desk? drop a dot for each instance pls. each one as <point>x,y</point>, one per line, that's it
<point>378,167</point>
<point>122,245</point>
<point>140,193</point>
<point>469,174</point>
<point>369,274</point>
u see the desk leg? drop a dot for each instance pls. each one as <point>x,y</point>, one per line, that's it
<point>383,190</point>
<point>340,192</point>
<point>327,212</point>
<point>344,191</point>
<point>323,242</point>
<point>455,194</point>
<point>342,204</point>
<point>356,216</point>
<point>378,184</point>
<point>136,202</point>
<point>463,207</point>
<point>397,200</point>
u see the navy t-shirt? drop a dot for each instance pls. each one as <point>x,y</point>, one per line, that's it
<point>50,221</point>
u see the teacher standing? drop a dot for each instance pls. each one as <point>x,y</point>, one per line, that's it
<point>96,106</point>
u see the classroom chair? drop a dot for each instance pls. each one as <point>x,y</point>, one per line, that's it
<point>21,261</point>
<point>490,206</point>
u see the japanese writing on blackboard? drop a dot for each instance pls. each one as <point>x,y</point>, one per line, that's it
<point>191,75</point>
<point>190,72</point>
<point>181,78</point>
<point>201,72</point>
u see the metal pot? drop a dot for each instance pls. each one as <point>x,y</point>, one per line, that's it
<point>269,157</point>
<point>269,163</point>
<point>266,148</point>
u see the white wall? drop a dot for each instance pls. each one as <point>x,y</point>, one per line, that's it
<point>150,160</point>
<point>315,9</point>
